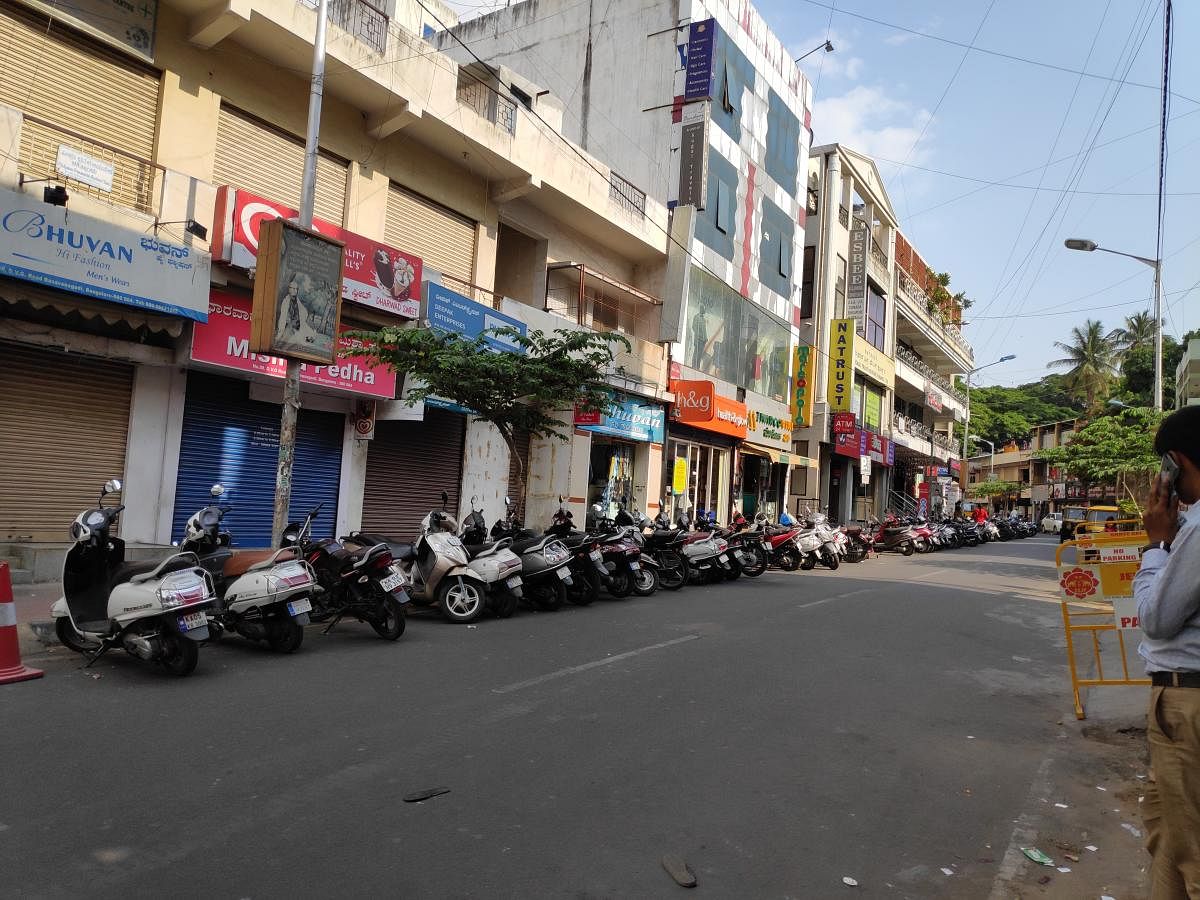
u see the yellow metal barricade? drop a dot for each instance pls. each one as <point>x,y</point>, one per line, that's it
<point>1099,584</point>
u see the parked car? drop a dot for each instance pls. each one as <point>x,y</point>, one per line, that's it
<point>1052,523</point>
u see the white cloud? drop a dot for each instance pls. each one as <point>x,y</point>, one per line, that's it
<point>841,63</point>
<point>866,119</point>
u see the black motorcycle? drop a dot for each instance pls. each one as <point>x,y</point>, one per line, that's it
<point>587,562</point>
<point>355,581</point>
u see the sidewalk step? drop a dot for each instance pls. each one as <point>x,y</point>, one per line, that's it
<point>21,576</point>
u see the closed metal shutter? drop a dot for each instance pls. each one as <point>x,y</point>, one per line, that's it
<point>441,237</point>
<point>521,439</point>
<point>231,440</point>
<point>409,464</point>
<point>54,74</point>
<point>64,424</point>
<point>265,161</point>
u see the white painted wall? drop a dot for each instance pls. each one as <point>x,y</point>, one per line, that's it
<point>152,453</point>
<point>485,471</point>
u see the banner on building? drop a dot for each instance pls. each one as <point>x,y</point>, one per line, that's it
<point>804,360</point>
<point>933,397</point>
<point>693,156</point>
<point>679,476</point>
<point>698,68</point>
<point>841,365</point>
<point>449,310</point>
<point>856,276</point>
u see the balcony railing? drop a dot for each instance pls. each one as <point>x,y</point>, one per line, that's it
<point>879,264</point>
<point>902,424</point>
<point>358,18</point>
<point>498,110</point>
<point>921,366</point>
<point>844,216</point>
<point>921,300</point>
<point>628,196</point>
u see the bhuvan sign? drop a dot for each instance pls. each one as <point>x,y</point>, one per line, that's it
<point>41,244</point>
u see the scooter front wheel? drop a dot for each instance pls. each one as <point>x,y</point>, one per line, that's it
<point>547,594</point>
<point>906,549</point>
<point>830,560</point>
<point>674,574</point>
<point>645,582</point>
<point>459,599</point>
<point>759,565</point>
<point>620,585</point>
<point>789,559</point>
<point>809,563</point>
<point>72,639</point>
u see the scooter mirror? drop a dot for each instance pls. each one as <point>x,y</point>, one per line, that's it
<point>112,486</point>
<point>508,501</point>
<point>216,490</point>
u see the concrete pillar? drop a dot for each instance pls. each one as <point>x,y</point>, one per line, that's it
<point>485,471</point>
<point>187,126</point>
<point>352,480</point>
<point>152,453</point>
<point>366,201</point>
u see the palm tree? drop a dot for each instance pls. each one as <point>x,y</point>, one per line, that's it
<point>1138,331</point>
<point>1091,360</point>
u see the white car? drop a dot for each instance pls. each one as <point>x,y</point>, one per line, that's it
<point>1052,523</point>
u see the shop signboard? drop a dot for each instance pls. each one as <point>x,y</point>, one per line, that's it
<point>804,360</point>
<point>698,72</point>
<point>373,274</point>
<point>450,311</point>
<point>693,156</point>
<point>679,476</point>
<point>856,280</point>
<point>874,364</point>
<point>890,454</point>
<point>587,416</point>
<point>122,23</point>
<point>631,419</point>
<point>847,444</point>
<point>845,423</point>
<point>724,415</point>
<point>879,449</point>
<point>45,245</point>
<point>864,469</point>
<point>841,365</point>
<point>923,499</point>
<point>933,397</point>
<point>872,409</point>
<point>224,340</point>
<point>766,426</point>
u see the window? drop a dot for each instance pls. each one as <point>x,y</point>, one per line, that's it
<point>716,223</point>
<point>726,101</point>
<point>839,287</point>
<point>775,249</point>
<point>782,160</point>
<point>785,259</point>
<point>724,209</point>
<point>876,320</point>
<point>520,96</point>
<point>807,282</point>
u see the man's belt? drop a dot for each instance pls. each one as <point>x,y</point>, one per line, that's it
<point>1175,679</point>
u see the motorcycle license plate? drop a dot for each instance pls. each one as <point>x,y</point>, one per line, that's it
<point>723,558</point>
<point>392,582</point>
<point>562,573</point>
<point>192,620</point>
<point>299,607</point>
<point>597,556</point>
<point>513,582</point>
<point>635,566</point>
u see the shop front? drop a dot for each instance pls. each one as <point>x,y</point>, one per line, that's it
<point>87,309</point>
<point>764,460</point>
<point>230,432</point>
<point>622,441</point>
<point>705,433</point>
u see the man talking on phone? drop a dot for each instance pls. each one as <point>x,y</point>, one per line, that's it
<point>1167,590</point>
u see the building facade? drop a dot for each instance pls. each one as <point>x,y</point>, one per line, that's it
<point>1187,376</point>
<point>715,124</point>
<point>170,138</point>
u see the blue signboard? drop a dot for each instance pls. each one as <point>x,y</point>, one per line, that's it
<point>447,310</point>
<point>634,420</point>
<point>698,79</point>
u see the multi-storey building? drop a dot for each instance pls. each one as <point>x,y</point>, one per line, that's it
<point>1187,376</point>
<point>170,131</point>
<point>701,105</point>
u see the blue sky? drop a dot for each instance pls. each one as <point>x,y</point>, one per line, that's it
<point>879,92</point>
<point>941,126</point>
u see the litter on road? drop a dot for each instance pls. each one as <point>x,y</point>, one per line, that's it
<point>1064,869</point>
<point>946,871</point>
<point>850,882</point>
<point>679,870</point>
<point>426,794</point>
<point>1037,856</point>
<point>1136,832</point>
<point>1091,848</point>
<point>1061,805</point>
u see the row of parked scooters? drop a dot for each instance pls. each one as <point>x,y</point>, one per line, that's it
<point>162,611</point>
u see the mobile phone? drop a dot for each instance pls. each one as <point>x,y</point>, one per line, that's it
<point>1169,471</point>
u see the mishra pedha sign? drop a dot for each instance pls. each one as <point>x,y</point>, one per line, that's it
<point>72,252</point>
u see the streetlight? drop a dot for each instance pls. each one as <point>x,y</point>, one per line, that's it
<point>967,424</point>
<point>992,448</point>
<point>827,47</point>
<point>1156,264</point>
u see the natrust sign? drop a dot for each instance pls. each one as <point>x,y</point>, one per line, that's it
<point>841,365</point>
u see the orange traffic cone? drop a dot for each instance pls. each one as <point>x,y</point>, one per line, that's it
<point>10,648</point>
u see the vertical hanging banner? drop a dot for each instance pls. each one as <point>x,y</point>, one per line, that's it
<point>841,365</point>
<point>856,282</point>
<point>803,363</point>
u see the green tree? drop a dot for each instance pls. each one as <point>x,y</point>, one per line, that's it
<point>1113,449</point>
<point>519,393</point>
<point>1136,332</point>
<point>1091,361</point>
<point>1137,373</point>
<point>993,488</point>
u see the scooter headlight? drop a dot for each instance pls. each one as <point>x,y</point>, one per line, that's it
<point>181,589</point>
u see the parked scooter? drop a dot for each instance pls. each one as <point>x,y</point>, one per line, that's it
<point>815,546</point>
<point>545,560</point>
<point>262,595</point>
<point>156,611</point>
<point>893,535</point>
<point>664,545</point>
<point>587,562</point>
<point>437,566</point>
<point>355,578</point>
<point>707,555</point>
<point>782,540</point>
<point>495,564</point>
<point>749,543</point>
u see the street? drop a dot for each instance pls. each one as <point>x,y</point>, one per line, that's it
<point>904,722</point>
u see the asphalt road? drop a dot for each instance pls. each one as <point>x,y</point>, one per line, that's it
<point>881,722</point>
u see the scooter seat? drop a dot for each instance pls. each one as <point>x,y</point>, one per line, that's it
<point>853,529</point>
<point>526,543</point>
<point>476,550</point>
<point>245,560</point>
<point>130,570</point>
<point>403,552</point>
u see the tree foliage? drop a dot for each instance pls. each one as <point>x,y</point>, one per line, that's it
<point>1112,449</point>
<point>518,393</point>
<point>993,488</point>
<point>1091,362</point>
<point>1137,331</point>
<point>1004,414</point>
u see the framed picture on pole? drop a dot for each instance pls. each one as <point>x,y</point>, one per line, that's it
<point>297,293</point>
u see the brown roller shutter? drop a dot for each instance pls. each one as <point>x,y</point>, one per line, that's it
<point>441,237</point>
<point>521,439</point>
<point>266,161</point>
<point>64,424</point>
<point>51,73</point>
<point>409,464</point>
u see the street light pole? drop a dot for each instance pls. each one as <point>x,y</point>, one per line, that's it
<point>308,191</point>
<point>962,474</point>
<point>992,448</point>
<point>1156,264</point>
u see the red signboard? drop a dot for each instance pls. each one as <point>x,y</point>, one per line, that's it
<point>844,423</point>
<point>694,401</point>
<point>374,274</point>
<point>583,417</point>
<point>224,340</point>
<point>847,444</point>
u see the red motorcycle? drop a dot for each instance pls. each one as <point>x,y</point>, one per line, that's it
<point>893,534</point>
<point>781,539</point>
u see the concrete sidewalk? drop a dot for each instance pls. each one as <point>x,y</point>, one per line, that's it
<point>33,602</point>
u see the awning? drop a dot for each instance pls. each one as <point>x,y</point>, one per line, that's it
<point>758,450</point>
<point>16,293</point>
<point>778,456</point>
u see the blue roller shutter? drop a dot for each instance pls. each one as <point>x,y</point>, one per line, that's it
<point>231,439</point>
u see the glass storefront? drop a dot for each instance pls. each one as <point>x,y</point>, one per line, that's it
<point>762,484</point>
<point>610,476</point>
<point>707,487</point>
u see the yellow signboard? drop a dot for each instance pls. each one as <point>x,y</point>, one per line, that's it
<point>679,477</point>
<point>875,365</point>
<point>804,360</point>
<point>841,365</point>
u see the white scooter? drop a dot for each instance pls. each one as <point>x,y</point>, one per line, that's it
<point>497,566</point>
<point>707,555</point>
<point>831,535</point>
<point>156,611</point>
<point>263,595</point>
